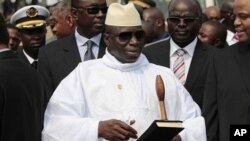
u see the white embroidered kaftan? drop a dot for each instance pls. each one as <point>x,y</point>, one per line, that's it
<point>105,89</point>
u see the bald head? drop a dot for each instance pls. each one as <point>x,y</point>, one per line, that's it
<point>219,29</point>
<point>154,12</point>
<point>190,3</point>
<point>227,6</point>
<point>213,13</point>
<point>213,33</point>
<point>226,9</point>
<point>153,24</point>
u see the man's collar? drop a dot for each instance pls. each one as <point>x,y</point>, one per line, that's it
<point>189,48</point>
<point>4,49</point>
<point>81,40</point>
<point>30,59</point>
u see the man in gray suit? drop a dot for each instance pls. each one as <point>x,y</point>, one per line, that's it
<point>59,58</point>
<point>184,23</point>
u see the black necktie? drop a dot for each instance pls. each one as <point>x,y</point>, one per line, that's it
<point>89,54</point>
<point>34,64</point>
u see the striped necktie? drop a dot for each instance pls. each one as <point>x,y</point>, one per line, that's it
<point>89,53</point>
<point>179,66</point>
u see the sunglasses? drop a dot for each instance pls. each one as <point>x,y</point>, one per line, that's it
<point>126,36</point>
<point>184,19</point>
<point>93,9</point>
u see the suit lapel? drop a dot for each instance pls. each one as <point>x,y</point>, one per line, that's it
<point>197,63</point>
<point>164,50</point>
<point>243,60</point>
<point>71,54</point>
<point>22,56</point>
<point>167,50</point>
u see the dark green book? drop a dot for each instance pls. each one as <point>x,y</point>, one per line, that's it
<point>162,130</point>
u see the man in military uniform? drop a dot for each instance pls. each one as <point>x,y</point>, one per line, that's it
<point>30,21</point>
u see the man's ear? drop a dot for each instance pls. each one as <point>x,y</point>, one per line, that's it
<point>70,20</point>
<point>159,22</point>
<point>217,43</point>
<point>106,39</point>
<point>74,13</point>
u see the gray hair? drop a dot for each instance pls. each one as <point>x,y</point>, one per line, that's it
<point>63,6</point>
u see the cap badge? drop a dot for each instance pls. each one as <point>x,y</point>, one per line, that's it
<point>32,12</point>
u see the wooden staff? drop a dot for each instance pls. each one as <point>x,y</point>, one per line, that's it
<point>160,90</point>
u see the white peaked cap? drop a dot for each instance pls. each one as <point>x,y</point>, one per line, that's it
<point>31,16</point>
<point>122,15</point>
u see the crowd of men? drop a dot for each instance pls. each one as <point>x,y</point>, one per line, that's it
<point>86,70</point>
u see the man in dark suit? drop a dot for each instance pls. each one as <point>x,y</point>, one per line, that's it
<point>21,96</point>
<point>184,23</point>
<point>31,24</point>
<point>227,91</point>
<point>59,58</point>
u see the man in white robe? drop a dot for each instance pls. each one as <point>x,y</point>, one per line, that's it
<point>114,98</point>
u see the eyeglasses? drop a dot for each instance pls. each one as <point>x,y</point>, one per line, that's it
<point>93,9</point>
<point>185,19</point>
<point>126,36</point>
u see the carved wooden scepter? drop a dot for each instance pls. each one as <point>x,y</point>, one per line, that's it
<point>160,90</point>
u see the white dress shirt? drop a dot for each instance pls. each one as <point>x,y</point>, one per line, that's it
<point>4,49</point>
<point>30,59</point>
<point>230,38</point>
<point>82,46</point>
